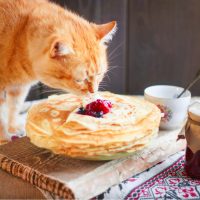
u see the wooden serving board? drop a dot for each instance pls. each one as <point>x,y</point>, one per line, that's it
<point>70,178</point>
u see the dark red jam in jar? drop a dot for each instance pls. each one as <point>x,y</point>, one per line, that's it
<point>192,134</point>
<point>192,163</point>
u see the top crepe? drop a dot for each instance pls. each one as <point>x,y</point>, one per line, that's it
<point>55,124</point>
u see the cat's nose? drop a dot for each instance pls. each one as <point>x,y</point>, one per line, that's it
<point>92,87</point>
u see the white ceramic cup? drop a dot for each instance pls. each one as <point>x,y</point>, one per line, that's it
<point>174,110</point>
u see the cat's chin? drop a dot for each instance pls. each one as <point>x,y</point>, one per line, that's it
<point>77,92</point>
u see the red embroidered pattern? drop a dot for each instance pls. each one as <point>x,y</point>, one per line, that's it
<point>171,183</point>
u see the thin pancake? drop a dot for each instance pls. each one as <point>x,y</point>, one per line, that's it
<point>55,125</point>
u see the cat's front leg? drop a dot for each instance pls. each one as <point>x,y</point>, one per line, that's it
<point>15,97</point>
<point>3,138</point>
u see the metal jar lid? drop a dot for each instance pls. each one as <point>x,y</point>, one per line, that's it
<point>194,111</point>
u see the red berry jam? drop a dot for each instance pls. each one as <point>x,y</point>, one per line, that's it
<point>192,135</point>
<point>14,137</point>
<point>192,163</point>
<point>96,108</point>
<point>99,106</point>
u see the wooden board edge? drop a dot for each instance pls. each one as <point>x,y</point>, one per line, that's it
<point>124,169</point>
<point>36,178</point>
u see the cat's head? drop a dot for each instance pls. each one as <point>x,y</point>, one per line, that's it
<point>75,58</point>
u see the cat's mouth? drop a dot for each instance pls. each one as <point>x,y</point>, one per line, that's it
<point>91,88</point>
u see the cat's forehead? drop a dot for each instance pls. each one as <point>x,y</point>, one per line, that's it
<point>87,47</point>
<point>86,41</point>
<point>84,33</point>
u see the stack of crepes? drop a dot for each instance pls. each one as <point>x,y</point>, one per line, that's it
<point>130,125</point>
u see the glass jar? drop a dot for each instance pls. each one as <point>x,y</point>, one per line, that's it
<point>192,134</point>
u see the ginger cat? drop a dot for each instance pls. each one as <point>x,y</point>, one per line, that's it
<point>40,41</point>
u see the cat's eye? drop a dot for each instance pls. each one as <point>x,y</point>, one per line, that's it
<point>81,80</point>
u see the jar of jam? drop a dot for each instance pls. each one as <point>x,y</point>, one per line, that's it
<point>192,134</point>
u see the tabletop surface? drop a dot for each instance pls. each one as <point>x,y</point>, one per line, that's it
<point>165,180</point>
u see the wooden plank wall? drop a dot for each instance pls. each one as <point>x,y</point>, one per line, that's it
<point>158,41</point>
<point>164,38</point>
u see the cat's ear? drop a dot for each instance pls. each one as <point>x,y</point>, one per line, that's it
<point>60,49</point>
<point>105,32</point>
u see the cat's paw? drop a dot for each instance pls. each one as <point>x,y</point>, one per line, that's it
<point>3,136</point>
<point>3,141</point>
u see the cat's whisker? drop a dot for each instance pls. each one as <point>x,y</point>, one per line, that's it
<point>103,82</point>
<point>103,85</point>
<point>59,93</point>
<point>53,91</point>
<point>110,70</point>
<point>115,56</point>
<point>111,67</point>
<point>102,88</point>
<point>108,77</point>
<point>41,86</point>
<point>114,50</point>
